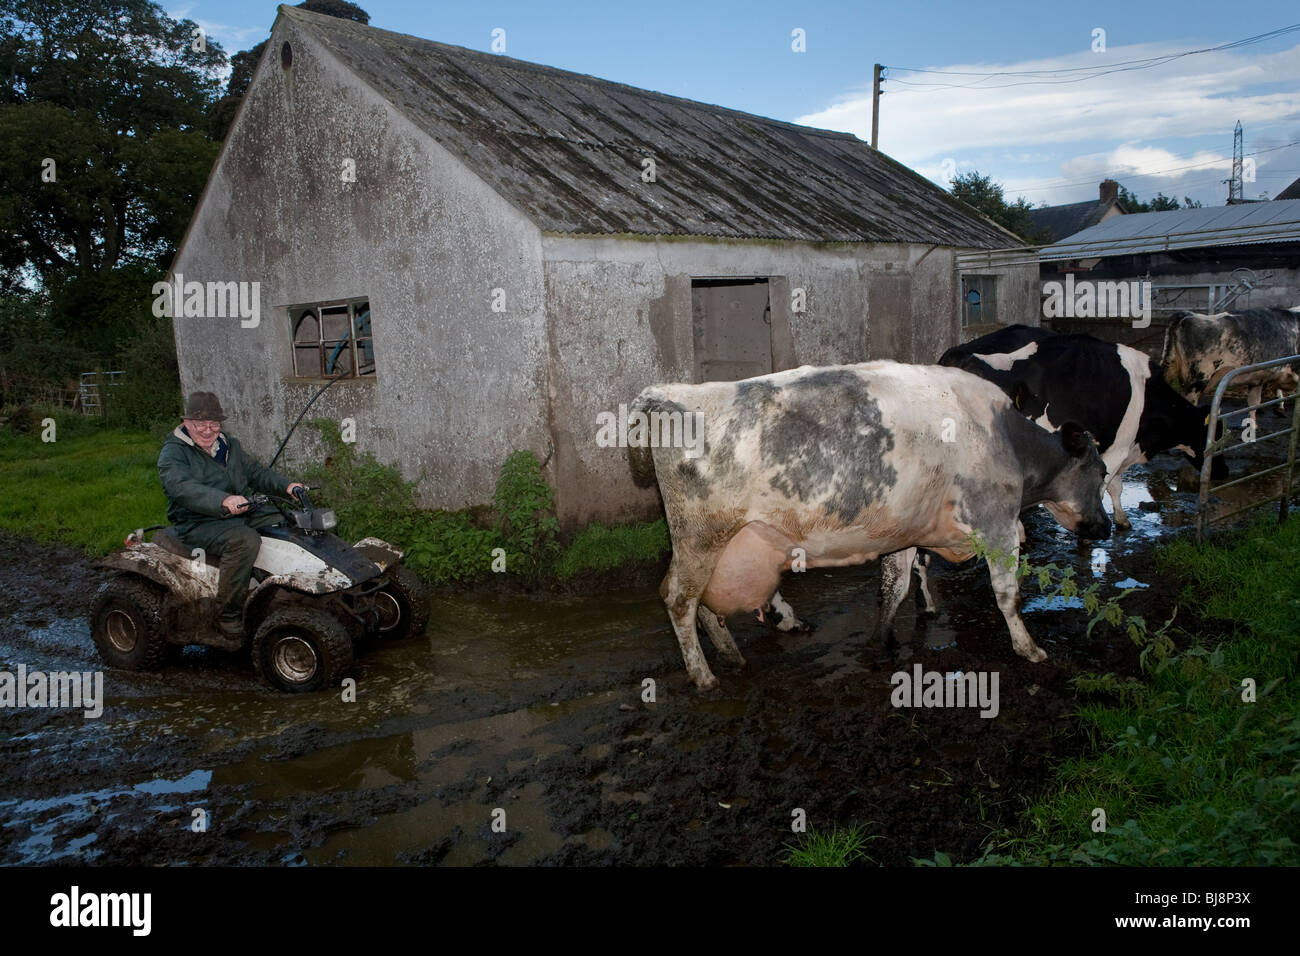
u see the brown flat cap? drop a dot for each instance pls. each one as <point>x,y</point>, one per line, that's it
<point>203,407</point>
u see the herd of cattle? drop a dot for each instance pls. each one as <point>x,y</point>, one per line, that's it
<point>838,465</point>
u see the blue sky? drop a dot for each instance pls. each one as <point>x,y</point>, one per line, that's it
<point>1048,142</point>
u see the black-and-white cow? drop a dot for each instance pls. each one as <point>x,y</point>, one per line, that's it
<point>1200,350</point>
<point>1116,392</point>
<point>840,465</point>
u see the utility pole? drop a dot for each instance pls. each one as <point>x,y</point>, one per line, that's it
<point>875,107</point>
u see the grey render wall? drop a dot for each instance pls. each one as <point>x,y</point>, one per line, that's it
<point>620,319</point>
<point>1019,297</point>
<point>458,386</point>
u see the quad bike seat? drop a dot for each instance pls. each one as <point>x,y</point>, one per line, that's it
<point>169,540</point>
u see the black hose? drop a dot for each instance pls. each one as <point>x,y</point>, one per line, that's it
<point>318,394</point>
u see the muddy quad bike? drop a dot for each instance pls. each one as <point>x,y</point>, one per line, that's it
<point>311,598</point>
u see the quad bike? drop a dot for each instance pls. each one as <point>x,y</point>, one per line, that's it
<point>311,598</point>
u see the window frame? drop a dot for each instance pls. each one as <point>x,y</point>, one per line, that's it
<point>986,287</point>
<point>359,339</point>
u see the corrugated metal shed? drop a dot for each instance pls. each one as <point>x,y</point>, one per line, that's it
<point>566,149</point>
<point>1239,225</point>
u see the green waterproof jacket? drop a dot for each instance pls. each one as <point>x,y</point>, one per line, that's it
<point>196,482</point>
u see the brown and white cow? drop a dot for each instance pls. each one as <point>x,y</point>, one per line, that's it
<point>842,464</point>
<point>1200,350</point>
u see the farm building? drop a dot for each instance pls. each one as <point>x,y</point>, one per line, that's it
<point>493,253</point>
<point>1059,222</point>
<point>1240,256</point>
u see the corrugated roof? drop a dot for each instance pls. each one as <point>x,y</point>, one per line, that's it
<point>1065,220</point>
<point>566,149</point>
<point>1238,225</point>
<point>1291,192</point>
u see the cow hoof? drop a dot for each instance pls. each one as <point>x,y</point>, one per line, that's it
<point>795,627</point>
<point>707,684</point>
<point>734,663</point>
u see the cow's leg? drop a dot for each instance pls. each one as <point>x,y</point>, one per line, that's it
<point>681,590</point>
<point>1113,488</point>
<point>1020,531</point>
<point>721,637</point>
<point>1007,588</point>
<point>895,582</point>
<point>921,565</point>
<point>788,621</point>
<point>1254,395</point>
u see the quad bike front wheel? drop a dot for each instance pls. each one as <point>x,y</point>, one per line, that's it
<point>403,604</point>
<point>126,624</point>
<point>299,650</point>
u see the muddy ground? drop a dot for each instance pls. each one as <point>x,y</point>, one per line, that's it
<point>528,709</point>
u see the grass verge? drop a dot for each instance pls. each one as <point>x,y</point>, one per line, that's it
<point>1199,763</point>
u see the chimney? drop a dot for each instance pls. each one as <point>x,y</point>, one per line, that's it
<point>1109,190</point>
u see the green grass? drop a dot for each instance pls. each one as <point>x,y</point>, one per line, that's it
<point>88,488</point>
<point>600,548</point>
<point>1187,772</point>
<point>93,484</point>
<point>838,847</point>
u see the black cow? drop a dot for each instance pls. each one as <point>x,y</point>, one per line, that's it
<point>1117,393</point>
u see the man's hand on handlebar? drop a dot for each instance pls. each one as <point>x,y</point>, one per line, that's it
<point>234,504</point>
<point>292,486</point>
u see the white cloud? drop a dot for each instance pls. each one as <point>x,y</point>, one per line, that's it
<point>1111,124</point>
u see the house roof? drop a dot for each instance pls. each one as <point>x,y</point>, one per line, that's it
<point>1236,225</point>
<point>567,149</point>
<point>1291,192</point>
<point>1066,220</point>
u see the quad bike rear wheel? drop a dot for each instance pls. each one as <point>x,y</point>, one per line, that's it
<point>403,604</point>
<point>126,624</point>
<point>299,650</point>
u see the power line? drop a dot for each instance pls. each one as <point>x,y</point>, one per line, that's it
<point>1062,184</point>
<point>1064,75</point>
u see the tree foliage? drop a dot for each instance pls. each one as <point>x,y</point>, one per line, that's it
<point>986,196</point>
<point>101,154</point>
<point>1161,203</point>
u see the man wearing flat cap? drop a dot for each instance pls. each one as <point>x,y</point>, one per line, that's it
<point>204,471</point>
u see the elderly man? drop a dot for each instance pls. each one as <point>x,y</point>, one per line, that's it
<point>204,473</point>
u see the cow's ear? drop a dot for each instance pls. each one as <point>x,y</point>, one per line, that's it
<point>1021,395</point>
<point>1075,438</point>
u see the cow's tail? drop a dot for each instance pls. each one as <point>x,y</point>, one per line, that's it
<point>1173,363</point>
<point>640,456</point>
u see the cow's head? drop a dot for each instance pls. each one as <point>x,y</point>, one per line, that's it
<point>1075,500</point>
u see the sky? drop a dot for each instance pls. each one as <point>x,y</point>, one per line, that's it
<point>1049,137</point>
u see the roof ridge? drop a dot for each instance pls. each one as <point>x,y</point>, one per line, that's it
<point>497,60</point>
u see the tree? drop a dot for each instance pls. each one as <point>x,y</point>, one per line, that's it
<point>986,196</point>
<point>1161,203</point>
<point>101,107</point>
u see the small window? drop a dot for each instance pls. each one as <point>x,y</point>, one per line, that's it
<point>979,301</point>
<point>286,55</point>
<point>333,338</point>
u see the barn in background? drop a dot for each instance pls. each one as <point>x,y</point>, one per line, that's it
<point>493,253</point>
<point>1236,257</point>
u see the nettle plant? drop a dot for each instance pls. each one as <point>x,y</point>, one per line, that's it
<point>525,516</point>
<point>1055,581</point>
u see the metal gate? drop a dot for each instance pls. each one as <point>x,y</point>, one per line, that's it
<point>1223,445</point>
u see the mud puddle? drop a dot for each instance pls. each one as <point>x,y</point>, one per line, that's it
<point>523,730</point>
